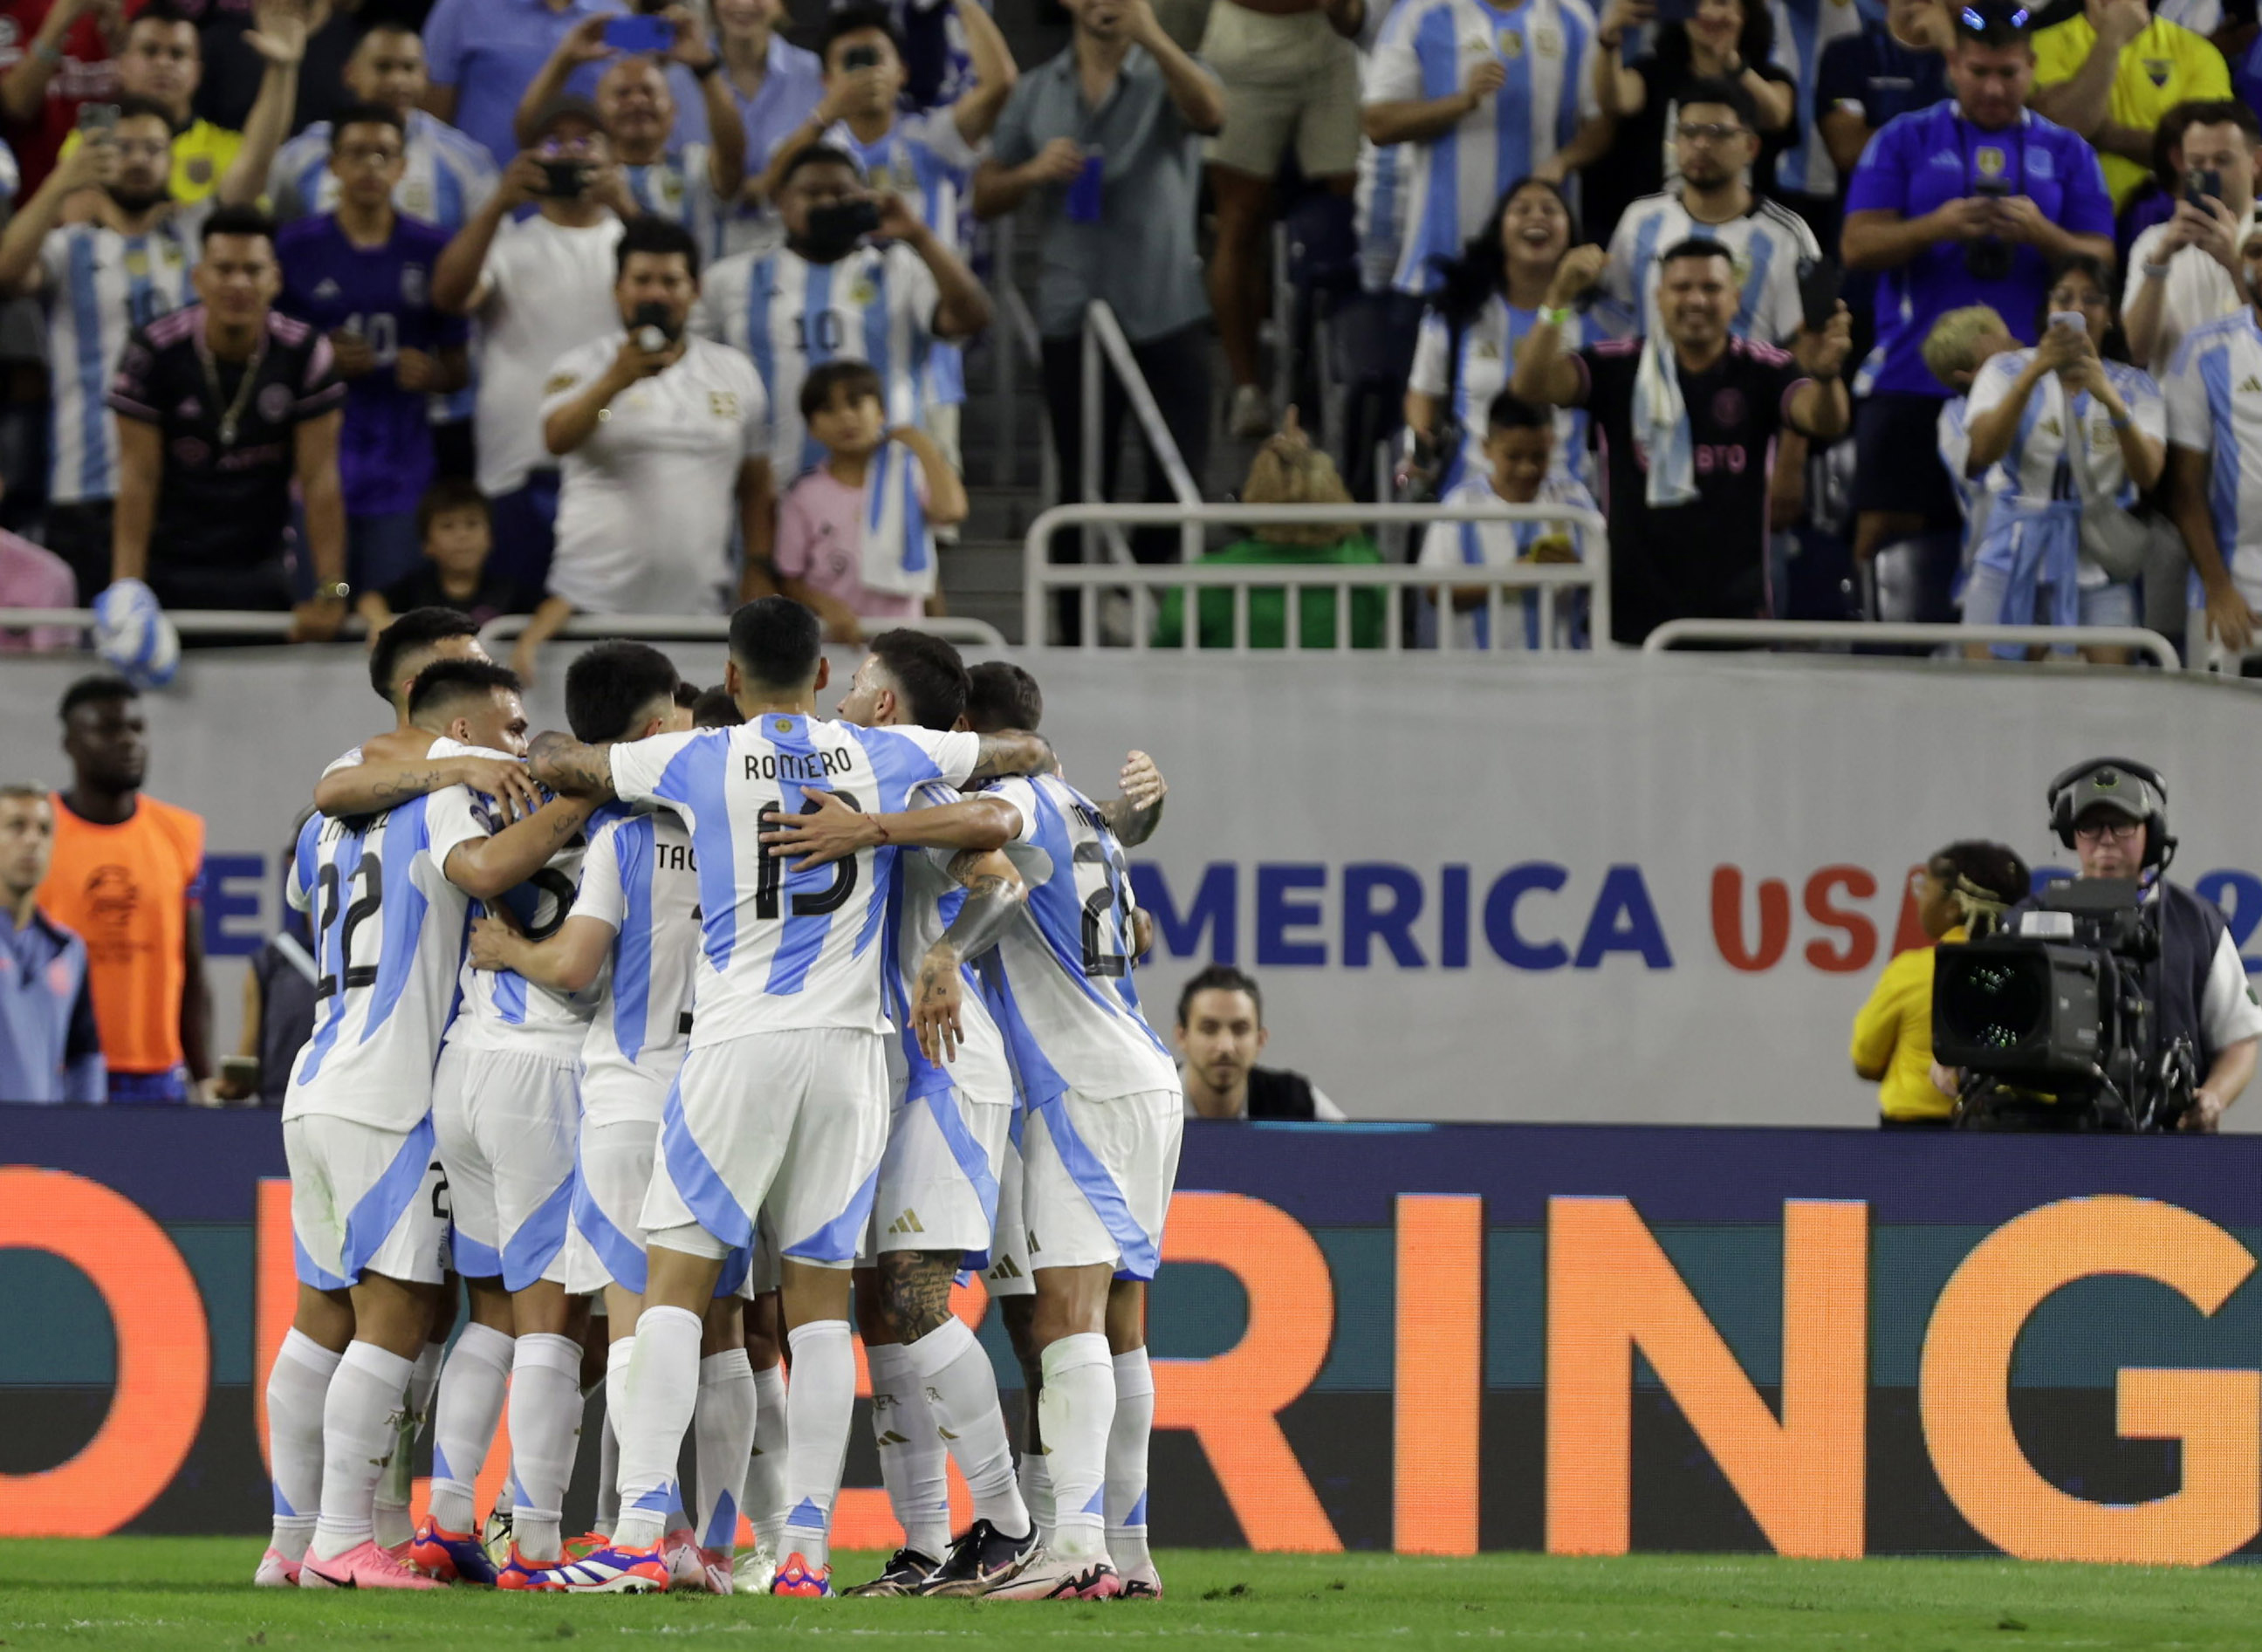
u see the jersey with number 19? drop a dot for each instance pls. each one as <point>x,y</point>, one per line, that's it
<point>791,1133</point>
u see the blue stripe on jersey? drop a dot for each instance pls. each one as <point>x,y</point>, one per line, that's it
<point>1790,168</point>
<point>1763,253</point>
<point>1511,123</point>
<point>803,939</point>
<point>816,300</point>
<point>345,860</point>
<point>369,1222</point>
<point>1576,78</point>
<point>401,909</point>
<point>695,778</point>
<point>510,997</point>
<point>760,282</point>
<point>1434,50</point>
<point>879,344</point>
<point>633,946</point>
<point>1645,266</point>
<point>2222,487</point>
<point>93,417</point>
<point>704,1190</point>
<point>447,205</point>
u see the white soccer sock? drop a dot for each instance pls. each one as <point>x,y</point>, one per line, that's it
<point>1037,1492</point>
<point>463,1418</point>
<point>361,1413</point>
<point>722,1442</point>
<point>819,1408</point>
<point>963,1389</point>
<point>764,1500</point>
<point>608,1477</point>
<point>1075,1412</point>
<point>295,1385</point>
<point>658,1391</point>
<point>1126,1462</point>
<point>911,1459</point>
<point>393,1526</point>
<point>545,1431</point>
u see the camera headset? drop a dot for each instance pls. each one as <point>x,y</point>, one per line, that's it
<point>2135,787</point>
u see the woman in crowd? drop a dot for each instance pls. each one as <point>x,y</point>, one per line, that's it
<point>2066,435</point>
<point>1491,299</point>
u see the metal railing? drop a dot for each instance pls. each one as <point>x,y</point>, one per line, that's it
<point>506,628</point>
<point>1104,340</point>
<point>186,623</point>
<point>1017,343</point>
<point>1677,633</point>
<point>1042,578</point>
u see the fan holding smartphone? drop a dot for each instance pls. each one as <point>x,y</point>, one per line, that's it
<point>2186,272</point>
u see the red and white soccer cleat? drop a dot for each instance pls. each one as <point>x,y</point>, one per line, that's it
<point>795,1578</point>
<point>450,1556</point>
<point>1049,1577</point>
<point>363,1566</point>
<point>612,1571</point>
<point>275,1572</point>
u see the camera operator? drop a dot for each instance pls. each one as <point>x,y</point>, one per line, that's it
<point>2113,814</point>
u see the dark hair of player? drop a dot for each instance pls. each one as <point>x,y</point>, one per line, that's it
<point>94,690</point>
<point>999,695</point>
<point>716,709</point>
<point>366,114</point>
<point>420,628</point>
<point>610,690</point>
<point>659,237</point>
<point>777,642</point>
<point>927,673</point>
<point>446,684</point>
<point>686,694</point>
<point>1219,978</point>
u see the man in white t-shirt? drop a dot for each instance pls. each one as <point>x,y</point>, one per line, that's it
<point>2214,395</point>
<point>539,288</point>
<point>2185,273</point>
<point>658,444</point>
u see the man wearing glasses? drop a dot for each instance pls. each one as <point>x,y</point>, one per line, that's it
<point>362,275</point>
<point>1715,143</point>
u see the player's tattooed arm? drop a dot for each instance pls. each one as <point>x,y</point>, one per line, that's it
<point>833,831</point>
<point>994,892</point>
<point>564,764</point>
<point>1014,752</point>
<point>485,868</point>
<point>1133,816</point>
<point>372,787</point>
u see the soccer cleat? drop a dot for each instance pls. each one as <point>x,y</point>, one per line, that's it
<point>796,1579</point>
<point>452,1557</point>
<point>981,1560</point>
<point>904,1575</point>
<point>1143,1586</point>
<point>275,1571</point>
<point>681,1549</point>
<point>715,1576</point>
<point>403,1551</point>
<point>495,1536</point>
<point>363,1566</point>
<point>520,1573</point>
<point>612,1571</point>
<point>588,1543</point>
<point>753,1572</point>
<point>1048,1577</point>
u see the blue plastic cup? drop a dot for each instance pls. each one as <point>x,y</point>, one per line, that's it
<point>1083,190</point>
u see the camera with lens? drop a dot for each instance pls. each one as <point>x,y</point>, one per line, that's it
<point>1989,257</point>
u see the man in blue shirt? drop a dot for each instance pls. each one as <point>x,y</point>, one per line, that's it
<point>1968,202</point>
<point>50,1049</point>
<point>362,274</point>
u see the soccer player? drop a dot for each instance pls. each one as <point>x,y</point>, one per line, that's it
<point>779,1111</point>
<point>1103,1094</point>
<point>365,1206</point>
<point>938,1190</point>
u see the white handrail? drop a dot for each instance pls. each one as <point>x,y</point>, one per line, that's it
<point>1016,340</point>
<point>1103,334</point>
<point>219,622</point>
<point>505,628</point>
<point>1041,577</point>
<point>1677,632</point>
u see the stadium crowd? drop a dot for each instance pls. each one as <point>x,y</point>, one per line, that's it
<point>547,307</point>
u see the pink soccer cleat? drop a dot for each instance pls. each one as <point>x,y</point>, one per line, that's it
<point>275,1571</point>
<point>1049,1577</point>
<point>363,1566</point>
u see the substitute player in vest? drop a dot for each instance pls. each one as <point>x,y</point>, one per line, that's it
<point>832,292</point>
<point>790,990</point>
<point>50,1049</point>
<point>937,1199</point>
<point>2213,393</point>
<point>389,894</point>
<point>101,276</point>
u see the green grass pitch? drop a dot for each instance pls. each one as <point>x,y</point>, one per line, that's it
<point>170,1593</point>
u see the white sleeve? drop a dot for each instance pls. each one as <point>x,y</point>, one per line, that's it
<point>455,817</point>
<point>639,767</point>
<point>1022,795</point>
<point>1617,269</point>
<point>1993,383</point>
<point>569,375</point>
<point>2148,410</point>
<point>938,129</point>
<point>1395,73</point>
<point>1590,100</point>
<point>601,895</point>
<point>2143,251</point>
<point>921,296</point>
<point>1326,1111</point>
<point>2190,425</point>
<point>55,259</point>
<point>2228,1012</point>
<point>350,759</point>
<point>754,412</point>
<point>1953,433</point>
<point>295,895</point>
<point>1441,545</point>
<point>953,753</point>
<point>1432,347</point>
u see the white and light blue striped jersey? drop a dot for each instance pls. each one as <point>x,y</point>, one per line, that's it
<point>876,304</point>
<point>1499,545</point>
<point>389,934</point>
<point>640,881</point>
<point>501,1009</point>
<point>1764,245</point>
<point>1487,361</point>
<point>1454,180</point>
<point>781,948</point>
<point>98,286</point>
<point>924,159</point>
<point>925,902</point>
<point>680,187</point>
<point>1060,978</point>
<point>2214,394</point>
<point>2062,450</point>
<point>1804,30</point>
<point>1971,496</point>
<point>447,179</point>
<point>1378,213</point>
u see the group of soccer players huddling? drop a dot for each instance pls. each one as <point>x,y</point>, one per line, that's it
<point>689,1020</point>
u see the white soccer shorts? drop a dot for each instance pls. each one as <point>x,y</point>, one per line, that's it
<point>1096,1180</point>
<point>612,1173</point>
<point>508,1121</point>
<point>938,1188</point>
<point>1008,1273</point>
<point>784,1128</point>
<point>365,1200</point>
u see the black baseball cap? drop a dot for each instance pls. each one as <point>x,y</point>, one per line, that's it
<point>560,109</point>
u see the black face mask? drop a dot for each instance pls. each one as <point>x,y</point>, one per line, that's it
<point>834,229</point>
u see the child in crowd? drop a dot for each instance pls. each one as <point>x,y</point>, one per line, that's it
<point>453,522</point>
<point>1961,342</point>
<point>1519,449</point>
<point>855,534</point>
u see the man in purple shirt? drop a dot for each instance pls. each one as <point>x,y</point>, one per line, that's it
<point>362,274</point>
<point>49,1049</point>
<point>1968,202</point>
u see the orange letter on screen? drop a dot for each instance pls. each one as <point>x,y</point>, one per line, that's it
<point>2218,1415</point>
<point>164,1354</point>
<point>1232,1401</point>
<point>1437,1418</point>
<point>1611,1289</point>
